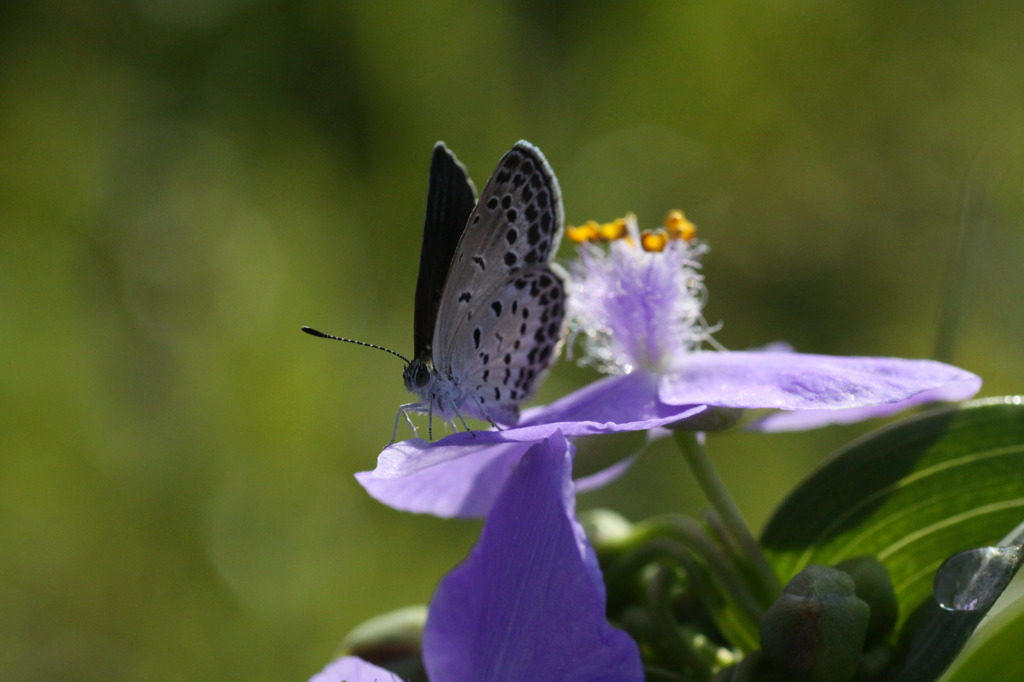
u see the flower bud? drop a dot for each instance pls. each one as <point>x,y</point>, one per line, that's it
<point>874,586</point>
<point>605,528</point>
<point>815,631</point>
<point>390,640</point>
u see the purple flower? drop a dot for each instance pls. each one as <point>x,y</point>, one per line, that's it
<point>635,305</point>
<point>529,602</point>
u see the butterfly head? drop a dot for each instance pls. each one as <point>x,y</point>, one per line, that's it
<point>418,374</point>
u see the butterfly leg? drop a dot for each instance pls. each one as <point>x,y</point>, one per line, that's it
<point>464,424</point>
<point>484,413</point>
<point>451,425</point>
<point>403,411</point>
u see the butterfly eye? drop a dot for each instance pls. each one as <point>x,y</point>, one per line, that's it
<point>420,375</point>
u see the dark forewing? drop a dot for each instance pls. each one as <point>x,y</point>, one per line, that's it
<point>450,200</point>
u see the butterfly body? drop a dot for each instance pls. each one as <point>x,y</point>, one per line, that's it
<point>489,302</point>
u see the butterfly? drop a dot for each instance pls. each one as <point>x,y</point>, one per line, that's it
<point>489,302</point>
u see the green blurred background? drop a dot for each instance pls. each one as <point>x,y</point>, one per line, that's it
<point>183,184</point>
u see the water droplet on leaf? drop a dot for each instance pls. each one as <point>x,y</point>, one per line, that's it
<point>974,579</point>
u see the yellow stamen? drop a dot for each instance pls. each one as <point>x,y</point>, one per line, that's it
<point>679,227</point>
<point>609,232</point>
<point>676,227</point>
<point>653,241</point>
<point>587,232</point>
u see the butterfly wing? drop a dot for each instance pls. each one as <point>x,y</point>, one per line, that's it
<point>501,311</point>
<point>511,342</point>
<point>450,200</point>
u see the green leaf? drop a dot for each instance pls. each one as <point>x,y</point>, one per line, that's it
<point>912,495</point>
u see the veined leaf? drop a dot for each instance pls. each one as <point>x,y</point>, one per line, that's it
<point>912,495</point>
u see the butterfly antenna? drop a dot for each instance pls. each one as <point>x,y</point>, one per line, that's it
<point>320,334</point>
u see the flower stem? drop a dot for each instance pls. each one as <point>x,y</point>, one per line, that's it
<point>717,494</point>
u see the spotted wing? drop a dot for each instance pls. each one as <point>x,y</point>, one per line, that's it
<point>506,344</point>
<point>450,199</point>
<point>501,262</point>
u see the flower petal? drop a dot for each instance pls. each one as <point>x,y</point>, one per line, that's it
<point>627,402</point>
<point>528,603</point>
<point>799,381</point>
<point>353,669</point>
<point>606,476</point>
<point>453,477</point>
<point>802,420</point>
